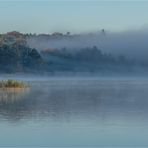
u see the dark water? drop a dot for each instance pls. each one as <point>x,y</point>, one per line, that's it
<point>76,112</point>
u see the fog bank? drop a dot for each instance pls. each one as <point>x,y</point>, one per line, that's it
<point>133,44</point>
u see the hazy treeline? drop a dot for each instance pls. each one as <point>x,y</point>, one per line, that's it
<point>132,43</point>
<point>18,58</point>
<point>35,53</point>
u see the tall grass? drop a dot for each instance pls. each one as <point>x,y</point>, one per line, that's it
<point>12,84</point>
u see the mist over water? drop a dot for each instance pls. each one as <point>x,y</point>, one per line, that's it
<point>73,89</point>
<point>132,44</point>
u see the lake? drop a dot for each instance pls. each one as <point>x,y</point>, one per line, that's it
<point>76,112</point>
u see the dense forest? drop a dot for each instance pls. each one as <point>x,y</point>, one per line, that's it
<point>17,56</point>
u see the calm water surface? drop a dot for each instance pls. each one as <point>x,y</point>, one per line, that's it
<point>76,112</point>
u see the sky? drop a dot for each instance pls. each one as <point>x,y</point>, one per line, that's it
<point>48,16</point>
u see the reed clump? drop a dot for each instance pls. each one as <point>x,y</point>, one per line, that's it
<point>12,84</point>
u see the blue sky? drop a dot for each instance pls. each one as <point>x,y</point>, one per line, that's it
<point>46,16</point>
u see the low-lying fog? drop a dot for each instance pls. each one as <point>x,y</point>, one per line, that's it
<point>132,43</point>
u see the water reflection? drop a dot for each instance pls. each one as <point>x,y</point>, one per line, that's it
<point>11,100</point>
<point>12,95</point>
